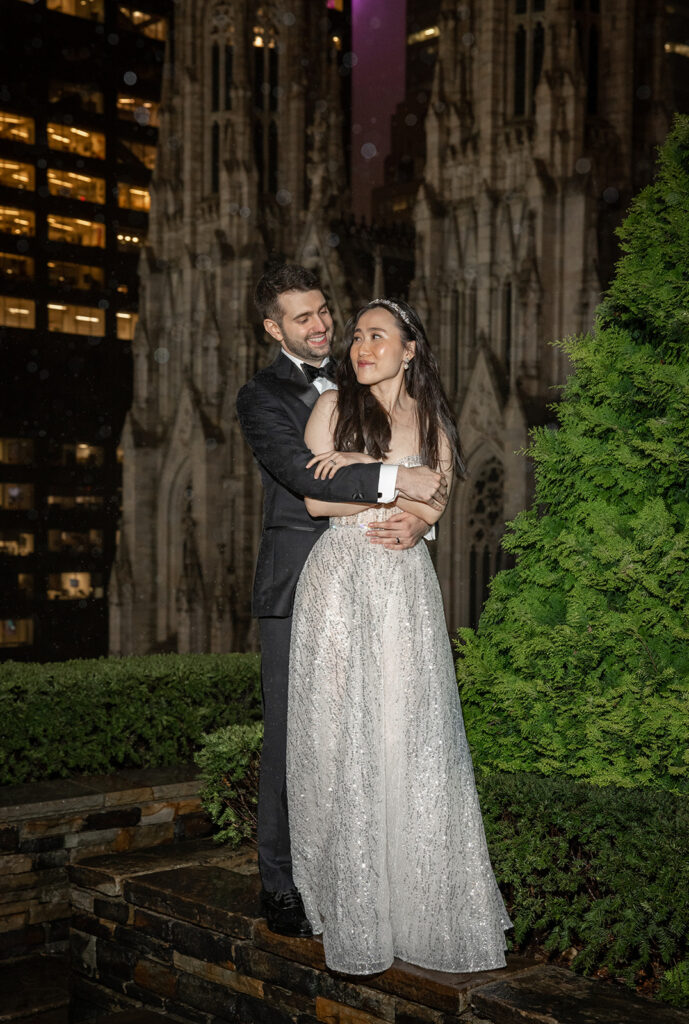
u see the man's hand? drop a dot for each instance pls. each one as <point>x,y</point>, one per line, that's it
<point>327,464</point>
<point>399,532</point>
<point>419,483</point>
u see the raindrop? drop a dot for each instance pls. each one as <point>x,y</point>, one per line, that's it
<point>245,211</point>
<point>211,444</point>
<point>368,151</point>
<point>113,39</point>
<point>129,78</point>
<point>375,23</point>
<point>288,19</point>
<point>103,304</point>
<point>283,197</point>
<point>583,165</point>
<point>161,355</point>
<point>333,240</point>
<point>611,195</point>
<point>233,208</point>
<point>644,92</point>
<point>356,129</point>
<point>468,38</point>
<point>31,367</point>
<point>350,60</point>
<point>410,120</point>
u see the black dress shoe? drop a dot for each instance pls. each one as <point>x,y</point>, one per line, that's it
<point>285,913</point>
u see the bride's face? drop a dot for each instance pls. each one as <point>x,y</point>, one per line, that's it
<point>377,350</point>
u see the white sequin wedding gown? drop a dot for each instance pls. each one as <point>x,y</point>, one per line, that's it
<point>388,846</point>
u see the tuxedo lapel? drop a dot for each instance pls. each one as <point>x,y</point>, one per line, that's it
<point>289,374</point>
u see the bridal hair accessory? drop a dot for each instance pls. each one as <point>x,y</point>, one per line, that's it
<point>395,308</point>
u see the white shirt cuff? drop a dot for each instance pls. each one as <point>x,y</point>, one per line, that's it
<point>387,484</point>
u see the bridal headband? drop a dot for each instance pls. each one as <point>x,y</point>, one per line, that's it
<point>395,308</point>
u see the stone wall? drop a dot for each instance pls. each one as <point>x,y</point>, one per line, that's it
<point>46,826</point>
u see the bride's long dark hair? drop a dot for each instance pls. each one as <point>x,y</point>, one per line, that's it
<point>362,423</point>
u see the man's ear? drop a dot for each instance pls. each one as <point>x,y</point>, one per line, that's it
<point>273,329</point>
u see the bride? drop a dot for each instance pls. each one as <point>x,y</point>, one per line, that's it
<point>387,838</point>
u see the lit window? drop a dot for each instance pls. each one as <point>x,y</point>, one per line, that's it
<point>72,501</point>
<point>17,128</point>
<point>88,454</point>
<point>76,140</point>
<point>16,632</point>
<point>25,584</point>
<point>76,231</point>
<point>133,108</point>
<point>335,5</point>
<point>133,198</point>
<point>90,9</point>
<point>145,155</point>
<point>76,186</point>
<point>423,36</point>
<point>16,497</point>
<point>16,268</point>
<point>75,275</point>
<point>126,325</point>
<point>17,222</point>
<point>86,542</point>
<point>152,25</point>
<point>76,319</point>
<point>16,451</point>
<point>16,175</point>
<point>16,543</point>
<point>68,586</point>
<point>125,240</point>
<point>87,96</point>
<point>681,48</point>
<point>17,312</point>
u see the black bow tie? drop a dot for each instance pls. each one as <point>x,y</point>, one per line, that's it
<point>314,371</point>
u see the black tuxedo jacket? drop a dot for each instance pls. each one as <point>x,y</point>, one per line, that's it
<point>273,410</point>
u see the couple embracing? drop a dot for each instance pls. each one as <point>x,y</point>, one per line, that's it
<point>369,826</point>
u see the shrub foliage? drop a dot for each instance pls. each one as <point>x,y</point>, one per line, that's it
<point>581,660</point>
<point>229,761</point>
<point>94,716</point>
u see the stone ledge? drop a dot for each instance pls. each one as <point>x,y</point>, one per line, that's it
<point>48,826</point>
<point>32,988</point>
<point>551,994</point>
<point>187,941</point>
<point>90,792</point>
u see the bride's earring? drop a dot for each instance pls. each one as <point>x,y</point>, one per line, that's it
<point>405,363</point>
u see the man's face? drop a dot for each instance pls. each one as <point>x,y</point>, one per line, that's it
<point>306,327</point>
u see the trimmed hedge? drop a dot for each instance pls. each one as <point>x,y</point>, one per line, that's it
<point>96,716</point>
<point>602,873</point>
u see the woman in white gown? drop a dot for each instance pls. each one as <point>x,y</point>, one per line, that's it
<point>388,846</point>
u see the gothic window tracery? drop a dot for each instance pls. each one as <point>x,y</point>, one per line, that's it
<point>266,100</point>
<point>587,26</point>
<point>528,48</point>
<point>220,79</point>
<point>485,525</point>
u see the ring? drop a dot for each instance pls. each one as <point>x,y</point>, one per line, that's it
<point>398,540</point>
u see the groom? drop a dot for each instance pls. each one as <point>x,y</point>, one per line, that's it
<point>273,409</point>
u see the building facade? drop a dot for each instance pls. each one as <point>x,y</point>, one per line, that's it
<point>251,163</point>
<point>78,135</point>
<point>542,125</point>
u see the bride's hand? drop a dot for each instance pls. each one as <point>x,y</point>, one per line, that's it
<point>328,463</point>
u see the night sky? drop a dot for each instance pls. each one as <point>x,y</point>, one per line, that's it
<point>378,45</point>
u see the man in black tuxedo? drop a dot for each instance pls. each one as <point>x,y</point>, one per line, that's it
<point>273,410</point>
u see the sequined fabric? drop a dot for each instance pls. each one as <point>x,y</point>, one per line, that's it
<point>388,845</point>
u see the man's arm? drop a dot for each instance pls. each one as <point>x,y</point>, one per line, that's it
<point>278,444</point>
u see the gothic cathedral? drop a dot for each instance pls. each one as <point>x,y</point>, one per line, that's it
<point>542,125</point>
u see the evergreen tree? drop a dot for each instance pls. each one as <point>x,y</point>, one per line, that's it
<point>581,661</point>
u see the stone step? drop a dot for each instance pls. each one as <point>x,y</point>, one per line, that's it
<point>132,1017</point>
<point>556,996</point>
<point>187,940</point>
<point>35,989</point>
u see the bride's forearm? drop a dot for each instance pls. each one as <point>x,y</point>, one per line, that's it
<point>419,509</point>
<point>334,508</point>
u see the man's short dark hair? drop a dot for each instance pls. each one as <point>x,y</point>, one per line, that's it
<point>284,277</point>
